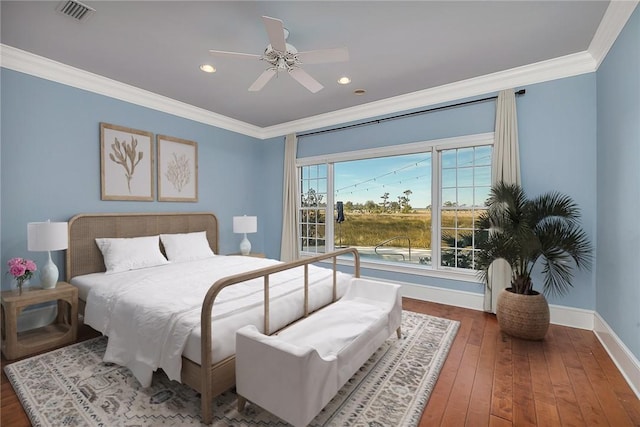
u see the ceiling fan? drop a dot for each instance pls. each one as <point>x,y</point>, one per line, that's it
<point>281,56</point>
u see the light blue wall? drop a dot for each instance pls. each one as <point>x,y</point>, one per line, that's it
<point>51,163</point>
<point>475,118</point>
<point>557,133</point>
<point>557,129</point>
<point>618,266</point>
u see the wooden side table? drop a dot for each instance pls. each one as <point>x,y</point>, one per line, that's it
<point>64,330</point>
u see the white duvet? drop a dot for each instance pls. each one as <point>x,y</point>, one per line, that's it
<point>149,314</point>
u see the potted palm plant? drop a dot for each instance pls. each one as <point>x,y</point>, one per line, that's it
<point>524,231</point>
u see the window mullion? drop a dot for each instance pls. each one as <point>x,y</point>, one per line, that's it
<point>436,229</point>
<point>329,214</point>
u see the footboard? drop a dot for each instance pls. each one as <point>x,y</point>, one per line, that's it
<point>208,373</point>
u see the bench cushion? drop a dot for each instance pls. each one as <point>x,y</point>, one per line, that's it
<point>332,329</point>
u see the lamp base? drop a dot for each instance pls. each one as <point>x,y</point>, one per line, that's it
<point>49,275</point>
<point>245,246</point>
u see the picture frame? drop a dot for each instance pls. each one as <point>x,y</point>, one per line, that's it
<point>177,169</point>
<point>126,163</point>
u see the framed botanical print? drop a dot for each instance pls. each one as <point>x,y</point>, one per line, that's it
<point>126,163</point>
<point>177,169</point>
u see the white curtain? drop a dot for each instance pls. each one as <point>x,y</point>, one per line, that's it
<point>289,245</point>
<point>505,166</point>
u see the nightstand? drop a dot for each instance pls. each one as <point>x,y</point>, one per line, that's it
<point>63,330</point>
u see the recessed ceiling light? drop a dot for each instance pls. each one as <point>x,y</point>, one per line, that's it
<point>344,80</point>
<point>208,68</point>
<point>359,91</point>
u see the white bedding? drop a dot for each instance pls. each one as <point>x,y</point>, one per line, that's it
<point>152,315</point>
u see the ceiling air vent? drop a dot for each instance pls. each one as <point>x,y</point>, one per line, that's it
<point>75,10</point>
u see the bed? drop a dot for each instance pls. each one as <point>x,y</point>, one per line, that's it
<point>172,305</point>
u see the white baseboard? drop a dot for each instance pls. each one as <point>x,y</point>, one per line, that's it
<point>626,362</point>
<point>560,315</point>
<point>452,297</point>
<point>570,316</point>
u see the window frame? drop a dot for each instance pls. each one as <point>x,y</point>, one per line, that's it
<point>435,147</point>
<point>329,197</point>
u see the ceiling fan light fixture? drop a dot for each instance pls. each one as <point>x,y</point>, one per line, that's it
<point>344,80</point>
<point>207,68</point>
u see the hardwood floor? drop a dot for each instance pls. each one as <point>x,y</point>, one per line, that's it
<point>490,379</point>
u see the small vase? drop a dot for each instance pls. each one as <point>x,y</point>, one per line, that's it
<point>19,284</point>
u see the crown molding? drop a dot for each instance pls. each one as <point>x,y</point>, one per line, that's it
<point>38,66</point>
<point>615,17</point>
<point>566,66</point>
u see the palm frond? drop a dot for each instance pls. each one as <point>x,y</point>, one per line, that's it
<point>568,238</point>
<point>552,205</point>
<point>557,274</point>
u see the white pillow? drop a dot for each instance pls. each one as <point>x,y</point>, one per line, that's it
<point>186,246</point>
<point>122,254</point>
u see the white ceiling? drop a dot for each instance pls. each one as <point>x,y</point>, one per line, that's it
<point>396,48</point>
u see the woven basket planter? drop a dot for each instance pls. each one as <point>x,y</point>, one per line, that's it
<point>523,316</point>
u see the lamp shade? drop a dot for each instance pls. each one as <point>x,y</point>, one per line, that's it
<point>245,224</point>
<point>47,236</point>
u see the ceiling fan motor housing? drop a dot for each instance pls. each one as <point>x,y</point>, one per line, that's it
<point>282,60</point>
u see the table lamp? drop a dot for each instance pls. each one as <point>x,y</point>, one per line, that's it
<point>245,224</point>
<point>47,236</point>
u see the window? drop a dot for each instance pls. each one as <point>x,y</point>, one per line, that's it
<point>465,186</point>
<point>412,206</point>
<point>313,208</point>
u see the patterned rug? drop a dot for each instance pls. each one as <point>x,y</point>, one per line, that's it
<point>73,387</point>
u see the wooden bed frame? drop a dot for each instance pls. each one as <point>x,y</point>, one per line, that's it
<point>84,257</point>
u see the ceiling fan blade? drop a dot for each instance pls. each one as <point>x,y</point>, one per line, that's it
<point>340,54</point>
<point>275,31</point>
<point>263,79</point>
<point>236,54</point>
<point>305,79</point>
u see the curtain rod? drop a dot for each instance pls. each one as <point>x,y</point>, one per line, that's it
<point>414,113</point>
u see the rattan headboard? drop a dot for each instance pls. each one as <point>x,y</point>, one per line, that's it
<point>84,257</point>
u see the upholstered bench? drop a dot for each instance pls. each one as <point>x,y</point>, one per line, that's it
<point>295,373</point>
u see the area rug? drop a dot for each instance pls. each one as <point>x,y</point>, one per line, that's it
<point>73,387</point>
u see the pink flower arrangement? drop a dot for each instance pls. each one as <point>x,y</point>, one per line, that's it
<point>22,269</point>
